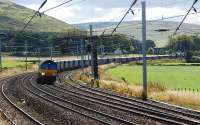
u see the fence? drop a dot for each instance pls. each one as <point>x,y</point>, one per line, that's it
<point>186,89</point>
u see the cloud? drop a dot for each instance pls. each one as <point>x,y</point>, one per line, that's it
<point>195,19</point>
<point>81,11</point>
<point>159,12</point>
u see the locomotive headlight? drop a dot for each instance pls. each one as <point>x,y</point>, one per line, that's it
<point>43,73</point>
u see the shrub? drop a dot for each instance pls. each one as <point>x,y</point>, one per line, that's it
<point>123,79</point>
<point>188,57</point>
<point>156,87</point>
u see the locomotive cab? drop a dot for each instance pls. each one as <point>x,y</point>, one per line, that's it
<point>47,72</point>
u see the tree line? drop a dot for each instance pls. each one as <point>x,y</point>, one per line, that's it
<point>68,43</point>
<point>187,44</point>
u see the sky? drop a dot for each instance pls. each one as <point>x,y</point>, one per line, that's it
<point>83,11</point>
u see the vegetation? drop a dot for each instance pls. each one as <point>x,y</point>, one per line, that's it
<point>188,56</point>
<point>12,63</point>
<point>10,20</point>
<point>3,120</point>
<point>36,40</point>
<point>189,45</point>
<point>124,43</point>
<point>185,99</point>
<point>157,91</point>
<point>182,43</point>
<point>41,32</point>
<point>169,76</point>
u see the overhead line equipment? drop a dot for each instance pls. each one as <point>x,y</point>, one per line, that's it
<point>130,9</point>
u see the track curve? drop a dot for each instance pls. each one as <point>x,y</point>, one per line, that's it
<point>29,119</point>
<point>75,103</point>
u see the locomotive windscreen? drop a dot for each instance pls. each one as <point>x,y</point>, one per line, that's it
<point>49,65</point>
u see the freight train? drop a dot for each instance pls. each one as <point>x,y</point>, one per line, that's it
<point>48,69</point>
<point>47,72</point>
<point>75,64</point>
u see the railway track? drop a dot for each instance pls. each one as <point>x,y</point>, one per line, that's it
<point>173,116</point>
<point>93,106</point>
<point>96,115</point>
<point>156,104</point>
<point>19,116</point>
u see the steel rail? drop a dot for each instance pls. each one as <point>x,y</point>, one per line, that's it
<point>80,106</point>
<point>18,108</point>
<point>134,110</point>
<point>144,103</point>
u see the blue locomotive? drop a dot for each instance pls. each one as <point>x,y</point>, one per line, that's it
<point>47,72</point>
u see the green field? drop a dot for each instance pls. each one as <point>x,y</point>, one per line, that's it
<point>12,63</point>
<point>171,76</point>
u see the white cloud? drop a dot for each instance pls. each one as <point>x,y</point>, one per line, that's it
<point>195,19</point>
<point>98,9</point>
<point>159,12</point>
<point>113,14</point>
<point>80,13</point>
<point>154,13</point>
<point>32,6</point>
<point>62,14</point>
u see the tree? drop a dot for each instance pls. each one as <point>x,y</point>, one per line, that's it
<point>138,45</point>
<point>182,43</point>
<point>114,42</point>
<point>150,44</point>
<point>188,57</point>
<point>196,43</point>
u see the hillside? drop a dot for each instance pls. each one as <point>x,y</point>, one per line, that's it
<point>134,29</point>
<point>13,17</point>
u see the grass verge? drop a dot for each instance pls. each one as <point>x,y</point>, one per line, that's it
<point>157,90</point>
<point>172,77</point>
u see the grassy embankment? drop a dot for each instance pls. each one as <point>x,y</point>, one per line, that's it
<point>11,67</point>
<point>12,63</point>
<point>172,77</point>
<point>163,75</point>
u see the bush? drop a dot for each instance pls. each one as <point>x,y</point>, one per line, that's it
<point>123,79</point>
<point>150,51</point>
<point>192,57</point>
<point>188,57</point>
<point>156,87</point>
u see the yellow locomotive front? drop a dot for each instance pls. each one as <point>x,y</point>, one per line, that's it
<point>47,72</point>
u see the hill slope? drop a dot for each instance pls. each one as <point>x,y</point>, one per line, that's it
<point>13,17</point>
<point>134,29</point>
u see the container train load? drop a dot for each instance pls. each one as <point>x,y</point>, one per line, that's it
<point>47,72</point>
<point>49,69</point>
<point>76,64</point>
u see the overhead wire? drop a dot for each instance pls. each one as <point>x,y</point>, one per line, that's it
<point>104,30</point>
<point>149,21</point>
<point>153,20</point>
<point>37,12</point>
<point>64,4</point>
<point>33,16</point>
<point>52,8</point>
<point>56,6</point>
<point>192,7</point>
<point>134,2</point>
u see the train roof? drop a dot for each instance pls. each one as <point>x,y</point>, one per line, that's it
<point>47,61</point>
